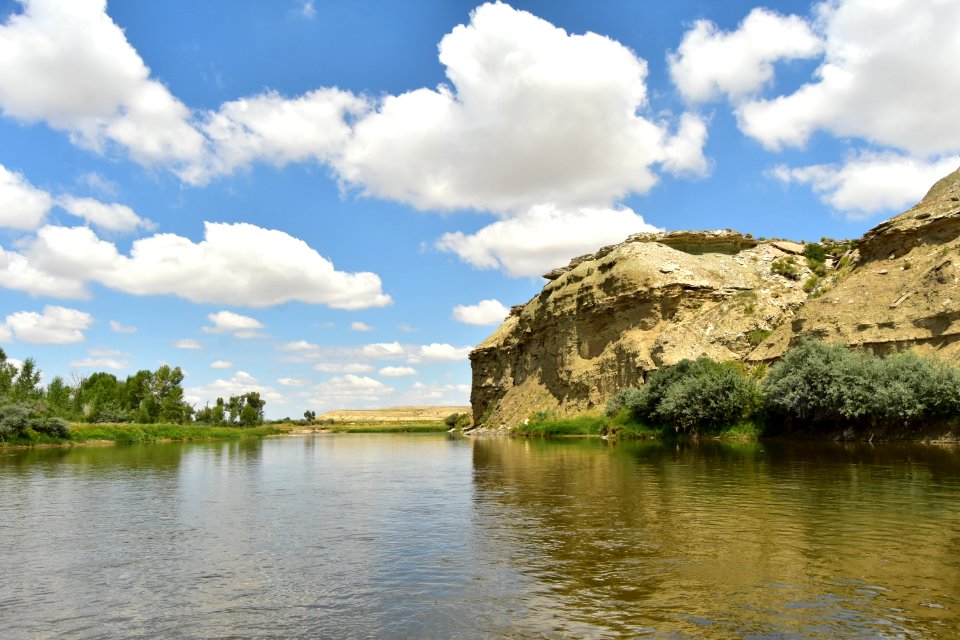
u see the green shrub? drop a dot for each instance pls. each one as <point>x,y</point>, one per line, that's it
<point>822,383</point>
<point>457,420</point>
<point>786,267</point>
<point>811,283</point>
<point>757,336</point>
<point>451,420</point>
<point>28,420</point>
<point>15,419</point>
<point>698,395</point>
<point>815,252</point>
<point>625,398</point>
<point>818,382</point>
<point>56,427</point>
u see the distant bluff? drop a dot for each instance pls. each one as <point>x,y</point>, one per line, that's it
<point>608,319</point>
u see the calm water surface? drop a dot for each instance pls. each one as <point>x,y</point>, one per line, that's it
<point>392,536</point>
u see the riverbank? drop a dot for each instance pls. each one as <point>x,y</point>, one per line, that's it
<point>101,434</point>
<point>624,427</point>
<point>110,434</point>
<point>620,426</point>
<point>375,427</point>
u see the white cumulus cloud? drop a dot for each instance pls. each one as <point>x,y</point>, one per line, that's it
<point>187,343</point>
<point>272,128</point>
<point>221,364</point>
<point>350,392</point>
<point>99,363</point>
<point>110,217</point>
<point>440,352</point>
<point>22,206</point>
<point>241,382</point>
<point>230,322</point>
<point>485,312</point>
<point>360,326</point>
<point>70,65</point>
<point>342,367</point>
<point>117,327</point>
<point>16,272</point>
<point>239,264</point>
<point>869,182</point>
<point>499,137</point>
<point>56,325</point>
<point>383,350</point>
<point>709,62</point>
<point>436,394</point>
<point>543,238</point>
<point>293,382</point>
<point>396,372</point>
<point>888,76</point>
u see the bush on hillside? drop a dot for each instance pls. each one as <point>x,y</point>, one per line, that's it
<point>696,395</point>
<point>827,383</point>
<point>786,267</point>
<point>626,398</point>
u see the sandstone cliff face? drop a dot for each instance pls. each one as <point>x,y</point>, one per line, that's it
<point>903,293</point>
<point>607,319</point>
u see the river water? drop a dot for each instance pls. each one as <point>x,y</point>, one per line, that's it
<point>429,536</point>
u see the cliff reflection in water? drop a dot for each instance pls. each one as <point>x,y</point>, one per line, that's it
<point>722,540</point>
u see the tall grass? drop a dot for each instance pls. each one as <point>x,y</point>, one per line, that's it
<point>125,433</point>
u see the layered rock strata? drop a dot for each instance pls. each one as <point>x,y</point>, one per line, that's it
<point>904,291</point>
<point>608,319</point>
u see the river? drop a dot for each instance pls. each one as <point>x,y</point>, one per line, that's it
<point>429,536</point>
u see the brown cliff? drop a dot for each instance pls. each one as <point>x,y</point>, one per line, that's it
<point>606,320</point>
<point>903,293</point>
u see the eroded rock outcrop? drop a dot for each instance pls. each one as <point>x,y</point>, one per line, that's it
<point>607,319</point>
<point>904,291</point>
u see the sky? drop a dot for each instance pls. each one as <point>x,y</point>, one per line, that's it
<point>331,203</point>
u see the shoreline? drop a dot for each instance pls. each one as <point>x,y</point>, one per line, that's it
<point>121,434</point>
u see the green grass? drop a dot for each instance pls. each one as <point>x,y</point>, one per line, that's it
<point>625,427</point>
<point>130,433</point>
<point>747,431</point>
<point>582,425</point>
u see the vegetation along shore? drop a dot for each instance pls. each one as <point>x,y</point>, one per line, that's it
<point>816,390</point>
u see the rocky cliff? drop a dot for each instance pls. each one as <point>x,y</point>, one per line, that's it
<point>903,293</point>
<point>608,319</point>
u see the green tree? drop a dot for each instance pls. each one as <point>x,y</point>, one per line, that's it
<point>248,416</point>
<point>169,395</point>
<point>57,397</point>
<point>7,373</point>
<point>26,385</point>
<point>138,397</point>
<point>234,407</point>
<point>100,398</point>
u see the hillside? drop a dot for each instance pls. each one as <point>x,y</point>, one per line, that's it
<point>608,319</point>
<point>391,414</point>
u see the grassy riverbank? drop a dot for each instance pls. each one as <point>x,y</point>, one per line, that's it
<point>623,426</point>
<point>81,434</point>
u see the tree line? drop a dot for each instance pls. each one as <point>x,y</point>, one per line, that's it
<point>146,397</point>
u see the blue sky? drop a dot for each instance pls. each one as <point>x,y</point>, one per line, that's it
<point>332,202</point>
